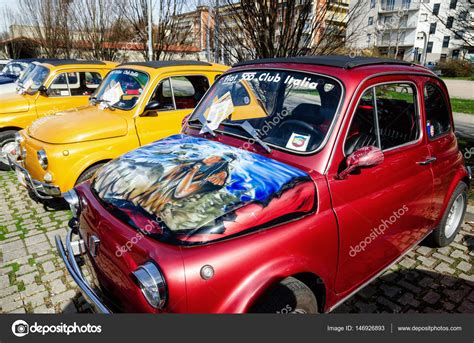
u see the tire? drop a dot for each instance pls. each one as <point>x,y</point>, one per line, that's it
<point>88,173</point>
<point>449,226</point>
<point>288,296</point>
<point>6,137</point>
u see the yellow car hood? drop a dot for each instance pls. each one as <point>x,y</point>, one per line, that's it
<point>87,124</point>
<point>13,103</point>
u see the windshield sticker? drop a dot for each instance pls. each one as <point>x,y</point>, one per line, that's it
<point>114,94</point>
<point>298,142</point>
<point>219,111</point>
<point>206,187</point>
<point>306,82</point>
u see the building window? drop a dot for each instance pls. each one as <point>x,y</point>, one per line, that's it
<point>445,41</point>
<point>436,9</point>
<point>372,3</point>
<point>443,57</point>
<point>369,38</point>
<point>390,5</point>
<point>460,34</point>
<point>452,4</point>
<point>432,28</point>
<point>449,22</point>
<point>406,4</point>
<point>371,21</point>
<point>424,17</point>
<point>429,47</point>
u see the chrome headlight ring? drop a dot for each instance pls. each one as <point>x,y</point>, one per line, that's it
<point>152,284</point>
<point>42,159</point>
<point>72,198</point>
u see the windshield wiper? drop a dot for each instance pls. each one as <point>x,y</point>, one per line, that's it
<point>96,101</point>
<point>247,127</point>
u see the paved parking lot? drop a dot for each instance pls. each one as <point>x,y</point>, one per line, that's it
<point>32,278</point>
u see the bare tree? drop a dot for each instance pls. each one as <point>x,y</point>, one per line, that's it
<point>264,28</point>
<point>99,28</point>
<point>167,33</point>
<point>48,20</point>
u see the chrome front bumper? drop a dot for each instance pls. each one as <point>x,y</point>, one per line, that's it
<point>43,191</point>
<point>68,255</point>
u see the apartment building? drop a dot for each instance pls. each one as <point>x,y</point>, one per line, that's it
<point>414,30</point>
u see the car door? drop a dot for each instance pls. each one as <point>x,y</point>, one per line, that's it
<point>441,141</point>
<point>67,91</point>
<point>177,96</point>
<point>382,210</point>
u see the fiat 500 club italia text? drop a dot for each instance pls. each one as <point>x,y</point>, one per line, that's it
<point>46,89</point>
<point>294,183</point>
<point>136,104</point>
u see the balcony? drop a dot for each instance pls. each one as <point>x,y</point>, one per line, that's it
<point>383,9</point>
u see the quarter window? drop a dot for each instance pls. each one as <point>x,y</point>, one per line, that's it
<point>437,112</point>
<point>75,84</point>
<point>180,92</point>
<point>386,117</point>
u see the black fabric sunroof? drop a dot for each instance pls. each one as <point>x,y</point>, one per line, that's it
<point>162,64</point>
<point>338,61</point>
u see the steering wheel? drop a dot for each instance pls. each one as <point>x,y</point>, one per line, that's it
<point>303,125</point>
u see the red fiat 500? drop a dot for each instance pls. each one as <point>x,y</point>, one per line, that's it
<point>294,183</point>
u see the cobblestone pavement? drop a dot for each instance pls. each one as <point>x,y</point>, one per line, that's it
<point>33,279</point>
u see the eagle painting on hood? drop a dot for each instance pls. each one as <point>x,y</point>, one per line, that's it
<point>195,186</point>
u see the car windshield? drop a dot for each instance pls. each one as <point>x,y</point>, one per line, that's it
<point>285,109</point>
<point>122,88</point>
<point>14,68</point>
<point>26,73</point>
<point>34,80</point>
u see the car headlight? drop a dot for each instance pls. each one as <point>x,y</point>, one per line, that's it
<point>152,284</point>
<point>42,159</point>
<point>74,202</point>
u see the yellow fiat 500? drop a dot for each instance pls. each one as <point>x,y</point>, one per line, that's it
<point>53,86</point>
<point>137,103</point>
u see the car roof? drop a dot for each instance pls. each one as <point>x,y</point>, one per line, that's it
<point>349,70</point>
<point>163,64</point>
<point>339,61</point>
<point>60,62</point>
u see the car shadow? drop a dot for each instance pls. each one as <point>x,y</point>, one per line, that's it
<point>50,205</point>
<point>413,291</point>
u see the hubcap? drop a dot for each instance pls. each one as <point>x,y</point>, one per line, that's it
<point>454,216</point>
<point>8,148</point>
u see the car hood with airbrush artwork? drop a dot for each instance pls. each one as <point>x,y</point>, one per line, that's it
<point>196,190</point>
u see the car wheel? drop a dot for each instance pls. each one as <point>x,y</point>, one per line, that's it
<point>453,217</point>
<point>7,138</point>
<point>288,296</point>
<point>88,173</point>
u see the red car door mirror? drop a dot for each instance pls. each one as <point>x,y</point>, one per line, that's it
<point>365,157</point>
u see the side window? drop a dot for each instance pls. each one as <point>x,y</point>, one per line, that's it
<point>59,86</point>
<point>188,90</point>
<point>163,95</point>
<point>386,117</point>
<point>437,112</point>
<point>363,128</point>
<point>397,114</point>
<point>83,83</point>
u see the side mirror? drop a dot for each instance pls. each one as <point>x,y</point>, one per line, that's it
<point>43,90</point>
<point>153,106</point>
<point>365,157</point>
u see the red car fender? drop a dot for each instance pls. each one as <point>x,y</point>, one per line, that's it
<point>245,294</point>
<point>461,175</point>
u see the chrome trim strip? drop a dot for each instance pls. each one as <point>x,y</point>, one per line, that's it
<point>72,267</point>
<point>333,307</point>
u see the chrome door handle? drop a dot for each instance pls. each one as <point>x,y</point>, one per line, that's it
<point>427,161</point>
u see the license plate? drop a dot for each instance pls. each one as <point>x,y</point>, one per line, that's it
<point>20,177</point>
